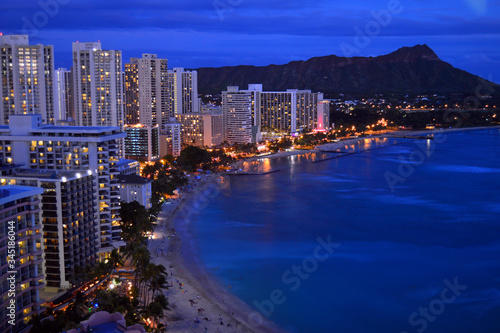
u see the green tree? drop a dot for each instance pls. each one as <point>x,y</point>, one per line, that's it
<point>135,221</point>
<point>192,158</point>
<point>167,181</point>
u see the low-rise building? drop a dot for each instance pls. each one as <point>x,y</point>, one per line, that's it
<point>128,167</point>
<point>135,188</point>
<point>170,138</point>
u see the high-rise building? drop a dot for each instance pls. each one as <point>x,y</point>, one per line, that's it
<point>63,95</point>
<point>323,115</point>
<point>71,148</point>
<point>26,78</point>
<point>142,142</point>
<point>170,138</point>
<point>307,109</point>
<point>97,86</point>
<point>288,111</point>
<point>212,129</point>
<point>146,90</point>
<point>19,208</point>
<point>237,106</point>
<point>248,112</point>
<point>131,92</point>
<point>183,91</point>
<point>69,221</point>
<point>191,129</point>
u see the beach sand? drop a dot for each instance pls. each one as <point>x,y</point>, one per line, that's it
<point>175,248</point>
<point>192,287</point>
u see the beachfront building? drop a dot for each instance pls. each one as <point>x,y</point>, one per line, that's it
<point>146,90</point>
<point>19,208</point>
<point>237,118</point>
<point>71,148</point>
<point>63,95</point>
<point>135,188</point>
<point>142,142</point>
<point>98,87</point>
<point>323,116</point>
<point>183,92</point>
<point>307,109</point>
<point>26,78</point>
<point>248,112</point>
<point>69,221</point>
<point>170,138</point>
<point>191,129</point>
<point>289,111</point>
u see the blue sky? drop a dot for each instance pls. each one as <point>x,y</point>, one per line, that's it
<point>199,33</point>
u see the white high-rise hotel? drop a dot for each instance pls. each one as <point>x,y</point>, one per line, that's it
<point>247,112</point>
<point>26,78</point>
<point>183,91</point>
<point>237,115</point>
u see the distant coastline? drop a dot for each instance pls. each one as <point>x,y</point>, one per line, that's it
<point>337,145</point>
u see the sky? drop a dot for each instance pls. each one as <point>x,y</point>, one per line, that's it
<point>215,33</point>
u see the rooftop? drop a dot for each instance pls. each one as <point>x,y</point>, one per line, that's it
<point>50,174</point>
<point>133,179</point>
<point>9,193</point>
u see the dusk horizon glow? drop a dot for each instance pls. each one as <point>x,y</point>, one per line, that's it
<point>195,34</point>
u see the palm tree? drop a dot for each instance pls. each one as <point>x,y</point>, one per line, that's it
<point>154,277</point>
<point>156,308</point>
<point>160,328</point>
<point>157,283</point>
<point>115,259</point>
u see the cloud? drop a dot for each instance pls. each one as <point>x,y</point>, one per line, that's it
<point>478,6</point>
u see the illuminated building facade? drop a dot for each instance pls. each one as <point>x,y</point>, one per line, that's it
<point>237,120</point>
<point>71,148</point>
<point>136,188</point>
<point>191,129</point>
<point>212,129</point>
<point>183,91</point>
<point>98,86</point>
<point>146,90</point>
<point>69,221</point>
<point>26,78</point>
<point>19,205</point>
<point>323,116</point>
<point>248,112</point>
<point>142,142</point>
<point>170,138</point>
<point>63,95</point>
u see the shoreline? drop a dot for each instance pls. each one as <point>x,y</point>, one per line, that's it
<point>179,253</point>
<point>180,256</point>
<point>336,145</point>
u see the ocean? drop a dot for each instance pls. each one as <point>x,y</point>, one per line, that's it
<point>405,238</point>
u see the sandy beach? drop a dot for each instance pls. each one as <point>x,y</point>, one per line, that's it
<point>198,303</point>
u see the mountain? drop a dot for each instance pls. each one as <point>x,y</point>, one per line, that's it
<point>414,70</point>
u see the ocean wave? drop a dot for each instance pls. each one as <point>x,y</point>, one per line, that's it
<point>466,169</point>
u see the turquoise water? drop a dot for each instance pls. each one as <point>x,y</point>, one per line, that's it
<point>400,245</point>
